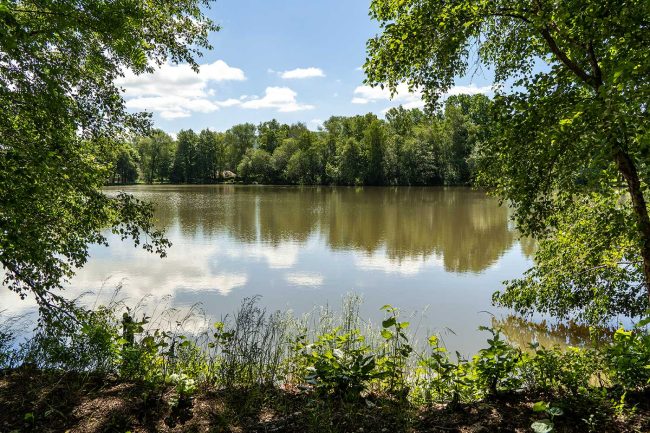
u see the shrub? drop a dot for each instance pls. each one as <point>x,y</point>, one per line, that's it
<point>339,363</point>
<point>85,343</point>
<point>628,358</point>
<point>443,380</point>
<point>571,370</point>
<point>497,366</point>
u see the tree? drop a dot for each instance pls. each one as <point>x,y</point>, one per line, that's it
<point>282,155</point>
<point>126,167</point>
<point>209,153</point>
<point>457,142</point>
<point>559,277</point>
<point>573,127</point>
<point>256,166</point>
<point>351,163</point>
<point>185,166</point>
<point>304,166</point>
<point>156,153</point>
<point>402,121</point>
<point>270,135</point>
<point>420,157</point>
<point>238,140</point>
<point>374,143</point>
<point>63,120</point>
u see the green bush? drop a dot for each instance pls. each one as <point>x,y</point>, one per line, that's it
<point>497,366</point>
<point>253,349</point>
<point>628,359</point>
<point>85,343</point>
<point>443,380</point>
<point>572,370</point>
<point>339,363</point>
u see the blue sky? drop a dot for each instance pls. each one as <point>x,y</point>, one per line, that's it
<point>296,61</point>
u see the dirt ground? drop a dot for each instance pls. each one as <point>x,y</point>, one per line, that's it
<point>33,401</point>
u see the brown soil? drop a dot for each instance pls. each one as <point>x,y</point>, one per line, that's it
<point>35,401</point>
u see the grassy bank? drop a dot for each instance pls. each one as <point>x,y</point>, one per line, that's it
<point>117,370</point>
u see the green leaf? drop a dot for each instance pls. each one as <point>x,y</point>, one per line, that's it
<point>542,426</point>
<point>540,406</point>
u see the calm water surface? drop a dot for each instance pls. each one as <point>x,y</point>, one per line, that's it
<point>436,253</point>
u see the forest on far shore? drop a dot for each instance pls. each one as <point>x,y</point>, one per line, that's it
<point>409,147</point>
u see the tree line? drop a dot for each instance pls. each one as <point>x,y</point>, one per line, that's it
<point>409,147</point>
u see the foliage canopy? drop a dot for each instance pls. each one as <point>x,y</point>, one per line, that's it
<point>409,147</point>
<point>570,119</point>
<point>63,119</point>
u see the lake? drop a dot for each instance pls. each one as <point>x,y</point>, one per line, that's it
<point>436,253</point>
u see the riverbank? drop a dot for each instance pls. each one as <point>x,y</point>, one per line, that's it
<point>38,401</point>
<point>113,369</point>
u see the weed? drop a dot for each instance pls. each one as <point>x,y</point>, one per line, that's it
<point>496,366</point>
<point>397,351</point>
<point>545,425</point>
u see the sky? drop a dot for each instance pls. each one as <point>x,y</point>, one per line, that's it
<point>292,60</point>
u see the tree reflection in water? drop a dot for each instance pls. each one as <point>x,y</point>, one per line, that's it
<point>468,230</point>
<point>522,332</point>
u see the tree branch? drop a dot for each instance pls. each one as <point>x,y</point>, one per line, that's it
<point>574,67</point>
<point>593,60</point>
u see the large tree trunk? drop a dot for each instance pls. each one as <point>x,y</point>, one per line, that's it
<point>628,170</point>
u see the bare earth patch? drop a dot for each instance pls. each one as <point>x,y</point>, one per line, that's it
<point>35,401</point>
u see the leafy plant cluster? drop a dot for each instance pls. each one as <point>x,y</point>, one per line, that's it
<point>545,425</point>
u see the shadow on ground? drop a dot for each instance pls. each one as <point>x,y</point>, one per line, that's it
<point>36,401</point>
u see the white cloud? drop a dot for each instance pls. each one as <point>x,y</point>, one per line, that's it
<point>228,102</point>
<point>468,90</point>
<point>177,91</point>
<point>124,267</point>
<point>172,106</point>
<point>300,73</point>
<point>282,256</point>
<point>407,98</point>
<point>305,279</point>
<point>365,94</point>
<point>178,80</point>
<point>316,123</point>
<point>225,282</point>
<point>379,261</point>
<point>281,98</point>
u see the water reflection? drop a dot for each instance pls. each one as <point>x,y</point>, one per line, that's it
<point>465,229</point>
<point>438,253</point>
<point>522,332</point>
